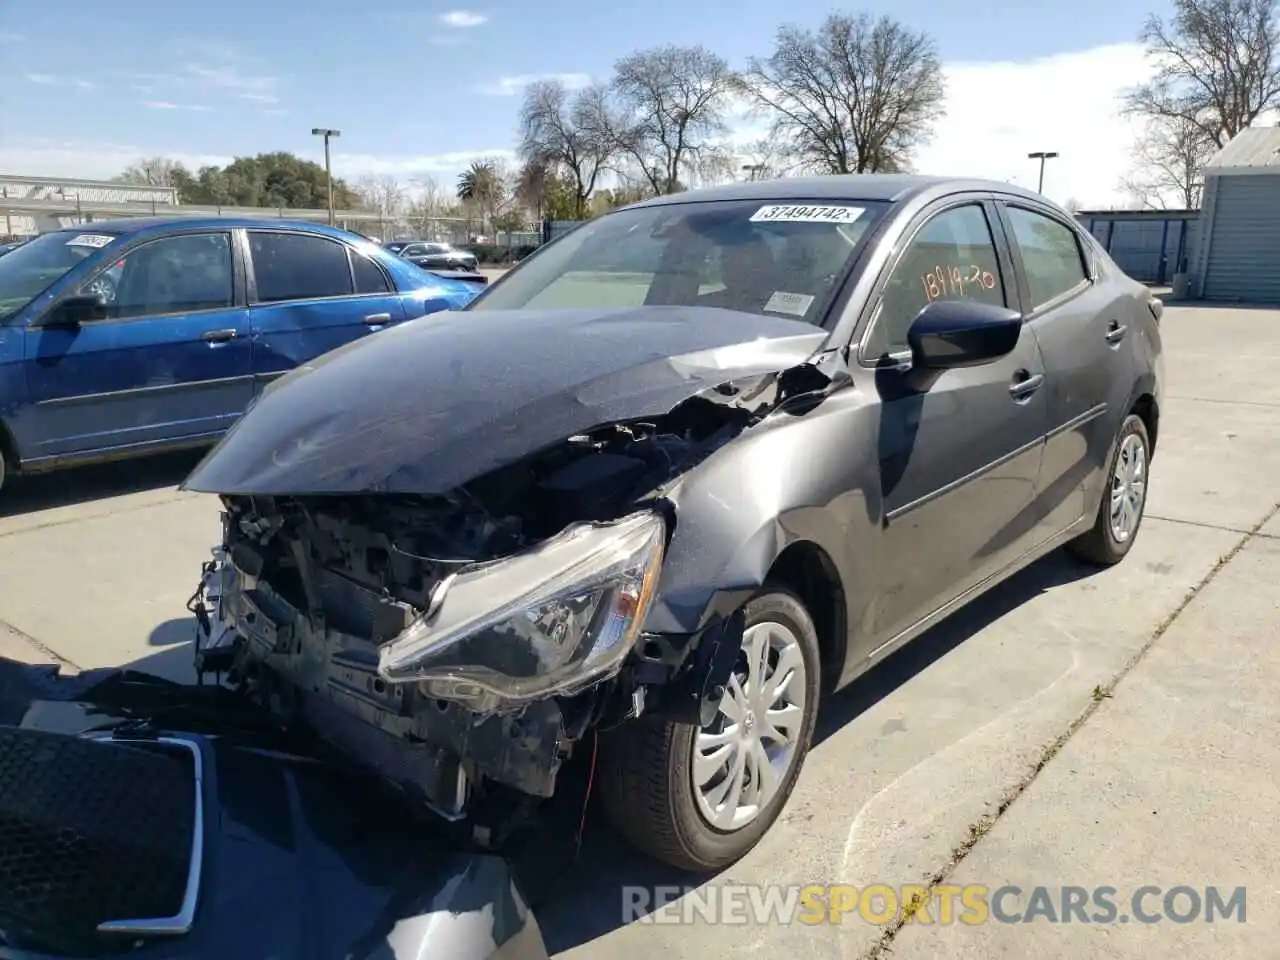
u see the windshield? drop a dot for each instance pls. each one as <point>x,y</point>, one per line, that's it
<point>32,268</point>
<point>780,257</point>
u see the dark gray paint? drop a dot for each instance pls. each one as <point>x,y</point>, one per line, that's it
<point>436,403</point>
<point>915,493</point>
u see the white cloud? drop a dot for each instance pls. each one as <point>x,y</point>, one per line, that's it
<point>463,18</point>
<point>102,161</point>
<point>998,112</point>
<point>44,79</point>
<point>8,36</point>
<point>229,77</point>
<point>513,86</point>
<point>170,105</point>
<point>267,98</point>
<point>443,166</point>
<point>86,159</point>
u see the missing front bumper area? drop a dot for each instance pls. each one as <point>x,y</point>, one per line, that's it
<point>316,676</point>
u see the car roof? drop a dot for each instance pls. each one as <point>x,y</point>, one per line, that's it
<point>889,187</point>
<point>144,225</point>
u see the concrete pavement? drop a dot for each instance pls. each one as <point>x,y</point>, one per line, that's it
<point>983,753</point>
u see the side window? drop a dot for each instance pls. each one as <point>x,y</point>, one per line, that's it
<point>952,257</point>
<point>413,250</point>
<point>296,266</point>
<point>1050,254</point>
<point>369,276</point>
<point>182,274</point>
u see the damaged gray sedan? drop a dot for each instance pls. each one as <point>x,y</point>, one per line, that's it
<point>671,481</point>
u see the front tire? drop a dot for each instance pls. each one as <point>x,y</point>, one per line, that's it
<point>1123,501</point>
<point>700,799</point>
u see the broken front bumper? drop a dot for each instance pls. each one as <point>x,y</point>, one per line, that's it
<point>250,634</point>
<point>264,851</point>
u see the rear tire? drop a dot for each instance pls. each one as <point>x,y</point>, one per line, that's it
<point>648,783</point>
<point>1114,530</point>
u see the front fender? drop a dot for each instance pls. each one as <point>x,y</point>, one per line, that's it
<point>809,477</point>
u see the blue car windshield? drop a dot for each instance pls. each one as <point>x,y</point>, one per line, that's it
<point>784,258</point>
<point>34,267</point>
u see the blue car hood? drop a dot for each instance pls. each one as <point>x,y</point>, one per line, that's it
<point>427,406</point>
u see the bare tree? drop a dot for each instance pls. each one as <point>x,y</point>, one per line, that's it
<point>1072,206</point>
<point>1217,68</point>
<point>383,195</point>
<point>763,160</point>
<point>1168,164</point>
<point>426,205</point>
<point>559,133</point>
<point>855,96</point>
<point>155,172</point>
<point>670,111</point>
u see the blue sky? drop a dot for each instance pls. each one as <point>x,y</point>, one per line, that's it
<point>417,89</point>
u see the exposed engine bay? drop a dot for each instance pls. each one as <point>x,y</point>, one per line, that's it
<point>460,645</point>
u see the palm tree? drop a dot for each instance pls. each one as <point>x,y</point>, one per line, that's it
<point>481,186</point>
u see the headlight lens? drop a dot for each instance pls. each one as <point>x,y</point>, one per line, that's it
<point>547,621</point>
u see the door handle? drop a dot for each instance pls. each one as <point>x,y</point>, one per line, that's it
<point>377,319</point>
<point>218,336</point>
<point>1025,384</point>
<point>1115,332</point>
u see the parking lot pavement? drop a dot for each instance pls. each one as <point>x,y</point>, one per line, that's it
<point>96,565</point>
<point>916,765</point>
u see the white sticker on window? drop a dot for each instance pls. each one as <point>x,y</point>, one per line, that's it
<point>806,213</point>
<point>796,304</point>
<point>95,240</point>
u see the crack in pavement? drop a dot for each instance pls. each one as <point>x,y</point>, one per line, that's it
<point>1243,403</point>
<point>979,829</point>
<point>95,516</point>
<point>1201,524</point>
<point>24,637</point>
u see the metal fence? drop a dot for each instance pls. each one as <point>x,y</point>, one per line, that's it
<point>1149,245</point>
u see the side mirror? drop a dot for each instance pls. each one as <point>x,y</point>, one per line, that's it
<point>70,313</point>
<point>962,333</point>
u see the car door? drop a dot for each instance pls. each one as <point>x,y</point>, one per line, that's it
<point>310,294</point>
<point>960,450</point>
<point>1080,329</point>
<point>170,362</point>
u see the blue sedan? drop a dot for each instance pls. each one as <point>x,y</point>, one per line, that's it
<point>132,337</point>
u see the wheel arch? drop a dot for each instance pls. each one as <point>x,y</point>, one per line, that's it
<point>9,450</point>
<point>807,570</point>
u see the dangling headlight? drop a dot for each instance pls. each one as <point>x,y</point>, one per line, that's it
<point>548,621</point>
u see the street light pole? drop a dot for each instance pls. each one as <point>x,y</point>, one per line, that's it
<point>1042,156</point>
<point>328,170</point>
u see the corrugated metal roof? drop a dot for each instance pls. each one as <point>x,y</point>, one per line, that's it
<point>1254,147</point>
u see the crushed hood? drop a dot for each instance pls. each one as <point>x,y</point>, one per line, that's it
<point>427,406</point>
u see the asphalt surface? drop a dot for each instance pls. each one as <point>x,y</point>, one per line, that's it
<point>1070,728</point>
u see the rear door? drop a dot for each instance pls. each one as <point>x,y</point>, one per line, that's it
<point>171,362</point>
<point>1081,327</point>
<point>310,294</point>
<point>960,451</point>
